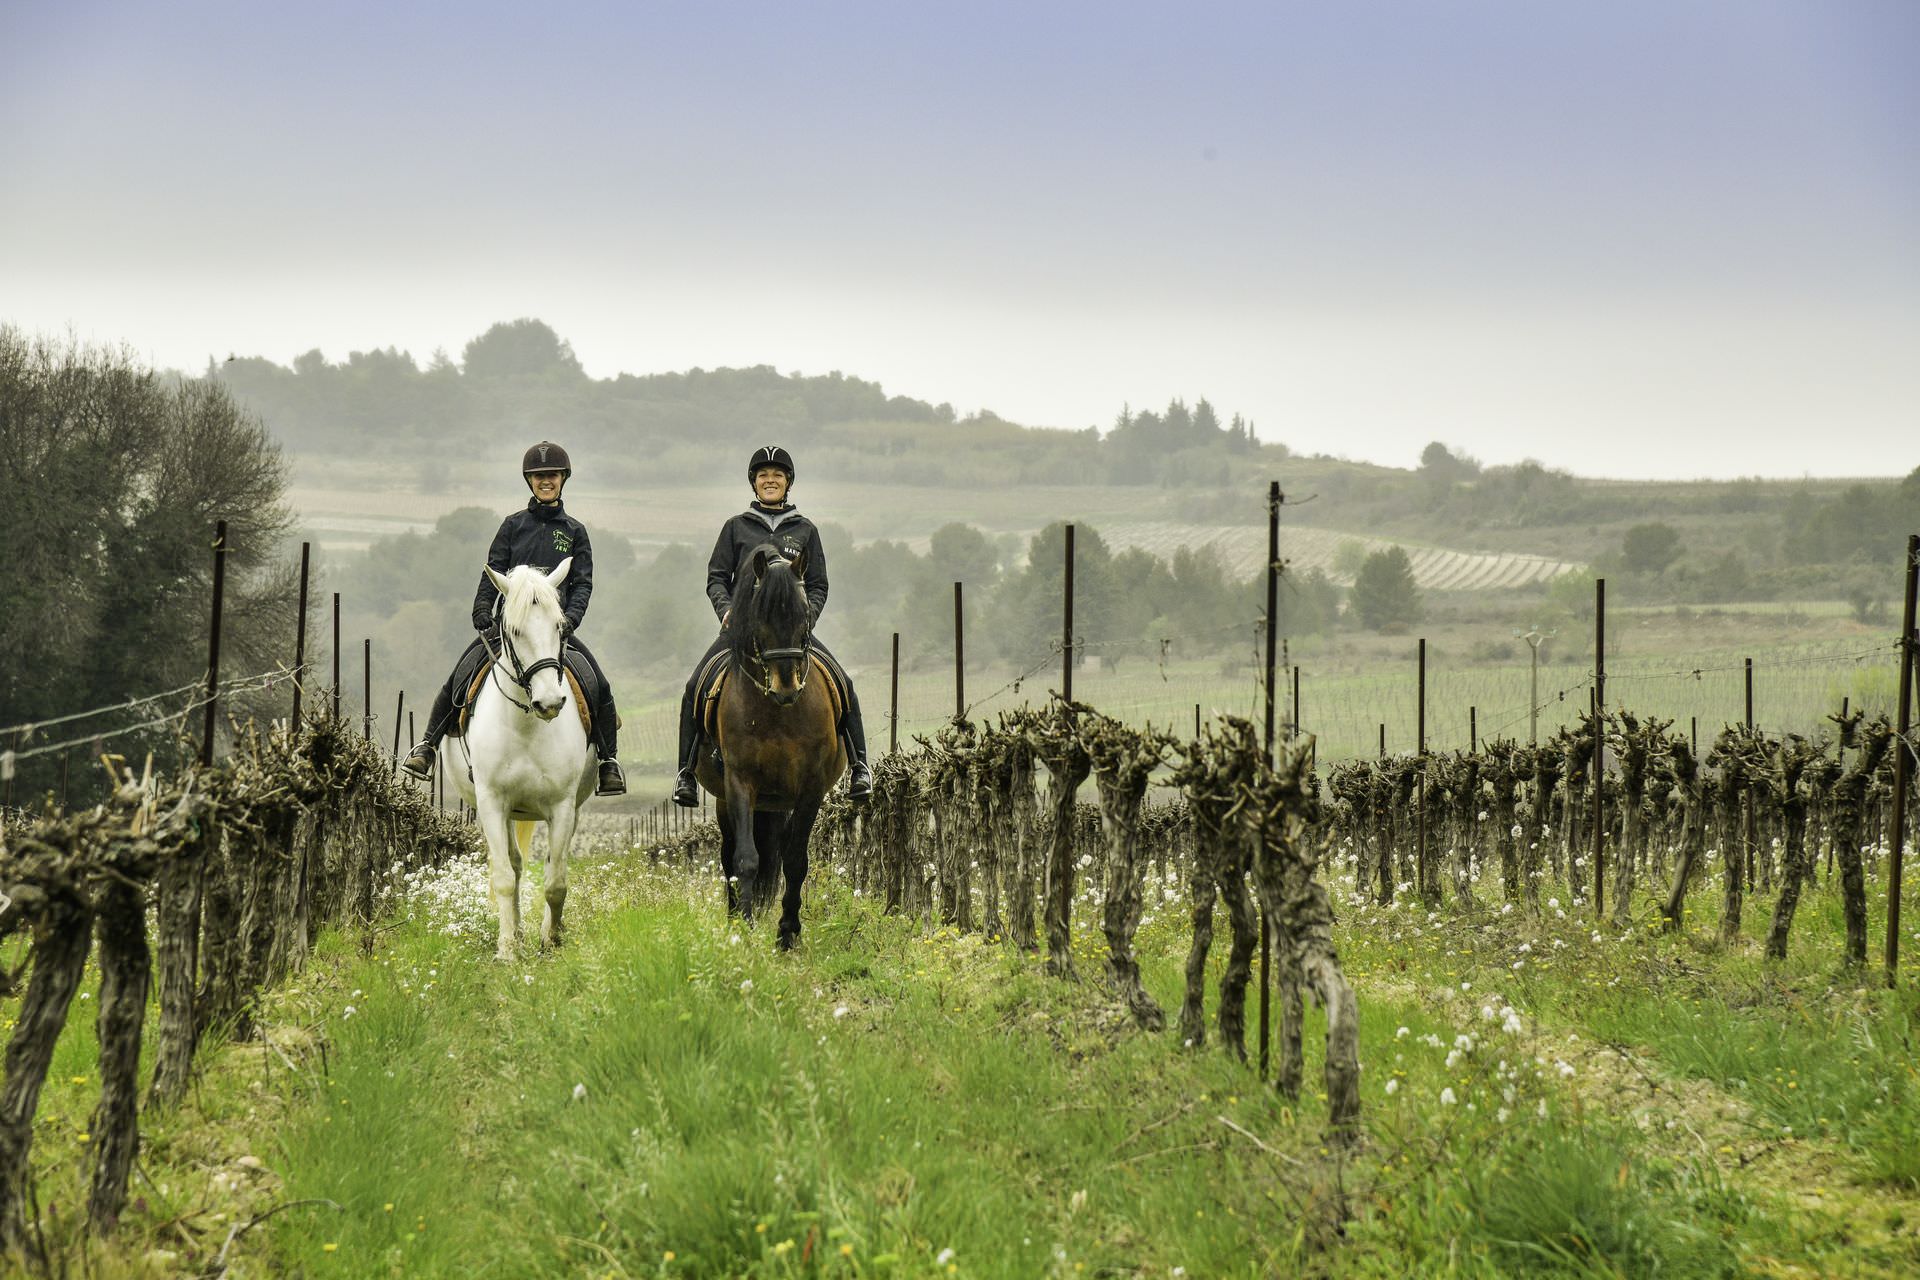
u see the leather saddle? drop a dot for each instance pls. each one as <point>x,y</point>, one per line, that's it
<point>712,682</point>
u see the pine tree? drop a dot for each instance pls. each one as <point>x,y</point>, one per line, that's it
<point>1384,592</point>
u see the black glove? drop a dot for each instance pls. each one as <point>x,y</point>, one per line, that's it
<point>566,627</point>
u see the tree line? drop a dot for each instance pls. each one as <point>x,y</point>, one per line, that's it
<point>117,477</point>
<point>521,376</point>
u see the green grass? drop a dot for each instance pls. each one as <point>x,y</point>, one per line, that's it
<point>889,1093</point>
<point>731,1119</point>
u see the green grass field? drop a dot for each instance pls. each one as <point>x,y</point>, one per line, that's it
<point>668,1096</point>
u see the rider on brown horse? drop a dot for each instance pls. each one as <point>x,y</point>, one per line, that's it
<point>542,535</point>
<point>770,518</point>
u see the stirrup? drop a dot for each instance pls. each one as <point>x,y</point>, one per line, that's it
<point>419,761</point>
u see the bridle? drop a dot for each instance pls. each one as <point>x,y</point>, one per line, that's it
<point>764,658</point>
<point>521,675</point>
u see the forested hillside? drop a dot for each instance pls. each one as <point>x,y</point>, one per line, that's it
<point>521,377</point>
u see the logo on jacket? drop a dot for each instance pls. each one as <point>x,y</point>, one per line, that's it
<point>562,541</point>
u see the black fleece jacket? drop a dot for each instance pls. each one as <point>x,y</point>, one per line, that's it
<point>542,535</point>
<point>786,529</point>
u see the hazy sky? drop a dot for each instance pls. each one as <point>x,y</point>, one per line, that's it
<point>1628,237</point>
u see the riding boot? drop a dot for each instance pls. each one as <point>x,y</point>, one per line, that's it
<point>859,779</point>
<point>686,788</point>
<point>607,743</point>
<point>419,761</point>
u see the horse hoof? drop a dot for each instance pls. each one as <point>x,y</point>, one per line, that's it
<point>788,941</point>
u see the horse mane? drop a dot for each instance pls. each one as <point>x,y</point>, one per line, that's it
<point>782,605</point>
<point>527,589</point>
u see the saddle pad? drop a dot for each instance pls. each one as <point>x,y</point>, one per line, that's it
<point>459,730</point>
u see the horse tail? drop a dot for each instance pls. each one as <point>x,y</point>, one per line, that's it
<point>522,842</point>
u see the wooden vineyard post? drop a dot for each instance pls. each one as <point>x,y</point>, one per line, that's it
<point>1429,881</point>
<point>1599,747</point>
<point>1750,840</point>
<point>213,641</point>
<point>1274,499</point>
<point>1903,761</point>
<point>300,641</point>
<point>336,655</point>
<point>893,701</point>
<point>1066,626</point>
<point>399,705</point>
<point>959,660</point>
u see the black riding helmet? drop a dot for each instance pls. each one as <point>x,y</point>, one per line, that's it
<point>546,456</point>
<point>770,455</point>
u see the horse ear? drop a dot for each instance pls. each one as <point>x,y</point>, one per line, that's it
<point>559,574</point>
<point>499,580</point>
<point>760,564</point>
<point>799,565</point>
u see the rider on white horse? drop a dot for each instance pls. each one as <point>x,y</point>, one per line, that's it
<point>542,535</point>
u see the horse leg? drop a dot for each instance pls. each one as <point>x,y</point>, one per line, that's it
<point>503,870</point>
<point>727,847</point>
<point>746,858</point>
<point>769,839</point>
<point>793,861</point>
<point>560,828</point>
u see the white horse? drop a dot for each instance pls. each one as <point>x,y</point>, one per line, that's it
<point>522,761</point>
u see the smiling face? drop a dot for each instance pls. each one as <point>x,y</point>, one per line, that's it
<point>546,485</point>
<point>770,486</point>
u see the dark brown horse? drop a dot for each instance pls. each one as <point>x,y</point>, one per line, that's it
<point>777,727</point>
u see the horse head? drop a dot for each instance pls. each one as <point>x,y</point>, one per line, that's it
<point>771,623</point>
<point>530,639</point>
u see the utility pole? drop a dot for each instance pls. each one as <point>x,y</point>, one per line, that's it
<point>1534,636</point>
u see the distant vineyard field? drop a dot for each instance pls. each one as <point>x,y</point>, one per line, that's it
<point>1244,551</point>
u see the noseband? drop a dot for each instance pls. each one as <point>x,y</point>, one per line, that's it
<point>764,657</point>
<point>521,675</point>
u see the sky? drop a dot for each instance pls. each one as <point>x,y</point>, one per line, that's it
<point>1634,238</point>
